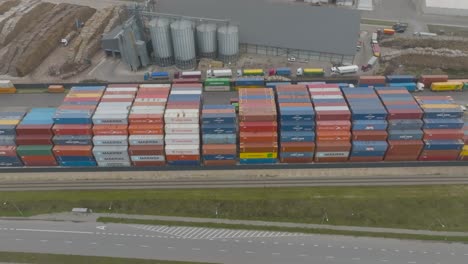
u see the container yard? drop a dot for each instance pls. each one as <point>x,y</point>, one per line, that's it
<point>377,119</point>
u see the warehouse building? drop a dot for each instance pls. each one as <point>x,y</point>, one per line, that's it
<point>302,32</point>
<point>446,7</point>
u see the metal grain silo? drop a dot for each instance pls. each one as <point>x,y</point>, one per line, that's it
<point>228,43</point>
<point>206,38</point>
<point>183,40</point>
<point>162,43</point>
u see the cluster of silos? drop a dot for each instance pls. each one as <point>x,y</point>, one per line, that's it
<point>178,42</point>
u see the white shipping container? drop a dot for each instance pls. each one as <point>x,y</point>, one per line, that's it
<point>182,149</point>
<point>147,107</point>
<point>6,84</point>
<point>123,89</point>
<point>182,116</point>
<point>187,92</point>
<point>110,150</point>
<point>114,164</point>
<point>146,140</point>
<point>217,88</point>
<point>118,96</point>
<point>331,108</point>
<point>112,158</point>
<point>324,90</point>
<point>110,140</point>
<point>327,97</point>
<point>332,154</point>
<point>151,100</point>
<point>148,158</point>
<point>110,119</point>
<point>182,128</point>
<point>147,112</point>
<point>155,86</point>
<point>182,139</point>
<point>111,111</point>
<point>116,104</point>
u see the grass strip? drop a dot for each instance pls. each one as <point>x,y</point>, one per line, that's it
<point>284,229</point>
<point>439,208</point>
<point>448,30</point>
<point>377,22</point>
<point>37,258</point>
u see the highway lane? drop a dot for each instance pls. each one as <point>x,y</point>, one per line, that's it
<point>218,245</point>
<point>232,183</point>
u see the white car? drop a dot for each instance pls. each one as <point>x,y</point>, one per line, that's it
<point>291,59</point>
<point>463,108</point>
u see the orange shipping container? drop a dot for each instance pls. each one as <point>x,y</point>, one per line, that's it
<point>146,129</point>
<point>110,130</point>
<point>76,150</point>
<point>258,147</point>
<point>333,136</point>
<point>298,147</point>
<point>297,160</point>
<point>251,137</point>
<point>214,149</point>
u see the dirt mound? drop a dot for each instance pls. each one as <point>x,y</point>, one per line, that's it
<point>7,5</point>
<point>36,39</point>
<point>426,64</point>
<point>407,43</point>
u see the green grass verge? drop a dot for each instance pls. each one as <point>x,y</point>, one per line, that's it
<point>36,258</point>
<point>377,22</point>
<point>448,30</point>
<point>285,229</point>
<point>413,207</point>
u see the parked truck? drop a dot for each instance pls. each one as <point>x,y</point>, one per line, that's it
<point>345,69</point>
<point>160,75</point>
<point>251,72</point>
<point>310,72</point>
<point>220,73</point>
<point>188,75</point>
<point>283,71</point>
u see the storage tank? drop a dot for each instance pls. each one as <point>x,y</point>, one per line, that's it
<point>162,43</point>
<point>228,43</point>
<point>206,37</point>
<point>183,39</point>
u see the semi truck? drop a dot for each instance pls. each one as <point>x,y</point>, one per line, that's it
<point>310,72</point>
<point>188,75</point>
<point>345,69</point>
<point>221,73</point>
<point>160,75</point>
<point>283,71</point>
<point>250,72</point>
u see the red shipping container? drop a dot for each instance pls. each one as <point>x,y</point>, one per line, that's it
<point>221,149</point>
<point>182,157</point>
<point>146,119</point>
<point>258,147</point>
<point>146,129</point>
<point>81,99</point>
<point>333,159</point>
<point>365,159</point>
<point>262,137</point>
<point>333,115</point>
<point>110,130</point>
<point>148,163</point>
<point>38,160</point>
<point>297,160</point>
<point>255,117</point>
<point>123,85</point>
<point>399,157</point>
<point>372,80</point>
<point>366,135</point>
<point>34,130</point>
<point>443,134</point>
<point>404,114</point>
<point>258,126</point>
<point>439,155</point>
<point>61,130</point>
<point>34,140</point>
<point>66,150</point>
<point>328,85</point>
<point>77,107</point>
<point>332,146</point>
<point>117,100</point>
<point>7,151</point>
<point>333,136</point>
<point>146,150</point>
<point>427,80</point>
<point>298,147</point>
<point>332,125</point>
<point>220,162</point>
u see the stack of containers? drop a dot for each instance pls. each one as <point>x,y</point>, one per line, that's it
<point>404,124</point>
<point>464,153</point>
<point>372,81</point>
<point>333,123</point>
<point>369,125</point>
<point>219,135</point>
<point>9,119</point>
<point>34,138</point>
<point>407,81</point>
<point>146,127</point>
<point>182,124</point>
<point>73,127</point>
<point>443,128</point>
<point>427,80</point>
<point>258,134</point>
<point>297,124</point>
<point>217,85</point>
<point>111,126</point>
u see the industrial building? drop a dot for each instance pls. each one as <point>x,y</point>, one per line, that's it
<point>182,31</point>
<point>446,7</point>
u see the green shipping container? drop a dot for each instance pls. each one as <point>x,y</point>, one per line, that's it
<point>38,150</point>
<point>218,82</point>
<point>465,85</point>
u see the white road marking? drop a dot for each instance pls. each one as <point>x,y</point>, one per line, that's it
<point>302,255</point>
<point>315,245</point>
<point>53,231</point>
<point>275,253</point>
<point>170,247</point>
<point>383,249</point>
<point>356,248</point>
<point>222,250</point>
<point>356,258</point>
<point>411,251</point>
<point>263,242</point>
<point>144,246</point>
<point>99,64</point>
<point>329,257</point>
<point>330,246</point>
<point>44,240</point>
<point>343,247</point>
<point>250,241</point>
<point>465,254</point>
<point>384,260</point>
<point>276,243</point>
<point>411,262</point>
<point>290,244</point>
<point>119,245</point>
<point>101,227</point>
<point>19,239</point>
<point>93,243</point>
<point>425,252</point>
<point>195,249</point>
<point>396,250</point>
<point>249,252</point>
<point>302,244</point>
<point>68,242</point>
<point>437,253</point>
<point>369,248</point>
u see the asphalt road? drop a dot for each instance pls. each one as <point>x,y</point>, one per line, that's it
<point>218,245</point>
<point>241,183</point>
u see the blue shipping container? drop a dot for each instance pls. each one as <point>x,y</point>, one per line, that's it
<point>405,124</point>
<point>369,145</point>
<point>219,157</point>
<point>285,155</point>
<point>184,163</point>
<point>297,137</point>
<point>77,163</point>
<point>448,123</point>
<point>257,161</point>
<point>370,125</point>
<point>411,86</point>
<point>405,134</point>
<point>443,144</point>
<point>401,78</point>
<point>219,138</point>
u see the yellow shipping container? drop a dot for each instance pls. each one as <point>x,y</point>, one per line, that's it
<point>259,155</point>
<point>440,106</point>
<point>447,86</point>
<point>7,90</point>
<point>253,72</point>
<point>313,70</point>
<point>9,122</point>
<point>464,152</point>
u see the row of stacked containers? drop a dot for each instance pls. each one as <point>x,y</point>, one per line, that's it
<point>156,124</point>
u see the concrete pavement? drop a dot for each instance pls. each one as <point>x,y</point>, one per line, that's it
<point>136,241</point>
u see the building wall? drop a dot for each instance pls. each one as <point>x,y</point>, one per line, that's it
<point>446,7</point>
